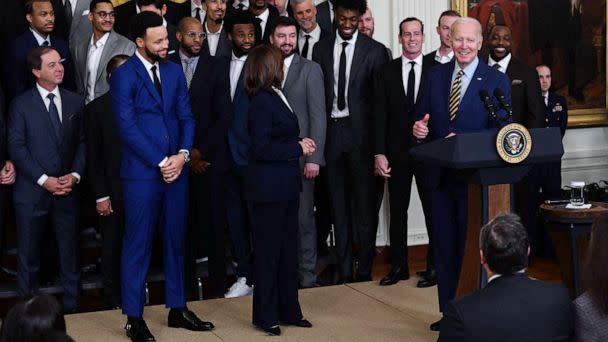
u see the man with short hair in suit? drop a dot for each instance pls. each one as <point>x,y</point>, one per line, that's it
<point>325,15</point>
<point>217,43</point>
<point>444,53</point>
<point>155,124</point>
<point>265,14</point>
<point>41,20</point>
<point>189,8</point>
<point>309,32</point>
<point>349,62</point>
<point>511,307</point>
<point>92,55</point>
<point>241,32</point>
<point>103,169</point>
<point>303,88</point>
<point>397,92</point>
<point>46,143</point>
<point>71,19</point>
<point>444,114</point>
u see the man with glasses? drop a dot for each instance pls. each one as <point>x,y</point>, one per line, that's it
<point>92,55</point>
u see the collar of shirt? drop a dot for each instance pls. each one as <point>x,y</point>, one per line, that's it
<point>352,41</point>
<point>314,34</point>
<point>40,39</point>
<point>469,70</point>
<point>184,58</point>
<point>264,15</point>
<point>193,8</point>
<point>405,61</point>
<point>500,275</point>
<point>504,63</point>
<point>443,59</point>
<point>148,65</point>
<point>244,2</point>
<point>243,58</point>
<point>100,42</point>
<point>44,93</point>
<point>213,33</point>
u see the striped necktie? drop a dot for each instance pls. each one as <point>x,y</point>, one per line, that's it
<point>455,95</point>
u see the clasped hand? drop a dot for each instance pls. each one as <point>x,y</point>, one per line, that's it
<point>308,146</point>
<point>172,168</point>
<point>60,186</point>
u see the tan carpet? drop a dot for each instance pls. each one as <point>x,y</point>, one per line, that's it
<point>356,312</point>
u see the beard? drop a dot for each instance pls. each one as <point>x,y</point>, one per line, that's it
<point>155,56</point>
<point>287,54</point>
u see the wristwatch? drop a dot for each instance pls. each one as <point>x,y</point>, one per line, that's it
<point>186,155</point>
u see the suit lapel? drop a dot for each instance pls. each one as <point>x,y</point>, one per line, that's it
<point>358,57</point>
<point>145,77</point>
<point>292,71</point>
<point>106,54</point>
<point>475,85</point>
<point>166,85</point>
<point>77,17</point>
<point>82,51</point>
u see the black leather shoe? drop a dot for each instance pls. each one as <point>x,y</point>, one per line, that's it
<point>138,331</point>
<point>436,326</point>
<point>303,323</point>
<point>184,318</point>
<point>429,280</point>
<point>272,331</point>
<point>422,274</point>
<point>395,275</point>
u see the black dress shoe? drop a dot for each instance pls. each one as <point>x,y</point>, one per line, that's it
<point>429,280</point>
<point>422,274</point>
<point>303,323</point>
<point>272,331</point>
<point>395,275</point>
<point>436,326</point>
<point>184,318</point>
<point>138,331</point>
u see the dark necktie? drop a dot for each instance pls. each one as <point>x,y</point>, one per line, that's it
<point>496,66</point>
<point>67,7</point>
<point>411,84</point>
<point>54,115</point>
<point>240,6</point>
<point>197,14</point>
<point>342,78</point>
<point>305,47</point>
<point>156,81</point>
<point>46,43</point>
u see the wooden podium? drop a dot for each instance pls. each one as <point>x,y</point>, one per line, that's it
<point>490,182</point>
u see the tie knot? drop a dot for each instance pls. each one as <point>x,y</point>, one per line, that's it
<point>153,68</point>
<point>51,96</point>
<point>460,73</point>
<point>307,36</point>
<point>496,66</point>
<point>344,44</point>
<point>412,63</point>
<point>46,43</point>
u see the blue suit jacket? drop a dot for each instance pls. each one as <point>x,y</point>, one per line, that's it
<point>275,170</point>
<point>238,134</point>
<point>556,112</point>
<point>34,147</point>
<point>17,78</point>
<point>150,127</point>
<point>472,116</point>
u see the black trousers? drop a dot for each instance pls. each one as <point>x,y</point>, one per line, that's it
<point>240,219</point>
<point>400,188</point>
<point>112,229</point>
<point>275,263</point>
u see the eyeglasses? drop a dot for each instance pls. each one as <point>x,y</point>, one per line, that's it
<point>192,35</point>
<point>104,15</point>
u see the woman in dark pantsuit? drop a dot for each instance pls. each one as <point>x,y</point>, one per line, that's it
<point>275,178</point>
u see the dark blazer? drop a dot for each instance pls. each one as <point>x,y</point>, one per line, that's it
<point>177,11</point>
<point>224,46</point>
<point>510,308</point>
<point>160,127</point>
<point>12,20</point>
<point>265,39</point>
<point>124,13</point>
<point>274,168</point>
<point>429,59</point>
<point>324,17</point>
<point>36,150</point>
<point>103,148</point>
<point>556,112</point>
<point>2,129</point>
<point>393,119</point>
<point>590,323</point>
<point>238,135</point>
<point>526,97</point>
<point>212,109</point>
<point>16,73</point>
<point>472,116</point>
<point>368,56</point>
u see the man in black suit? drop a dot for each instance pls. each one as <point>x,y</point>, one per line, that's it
<point>349,61</point>
<point>212,110</point>
<point>444,53</point>
<point>103,169</point>
<point>189,8</point>
<point>310,32</point>
<point>46,143</point>
<point>265,15</point>
<point>396,95</point>
<point>39,15</point>
<point>511,307</point>
<point>217,43</point>
<point>325,15</point>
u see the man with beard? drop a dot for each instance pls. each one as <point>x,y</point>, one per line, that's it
<point>310,32</point>
<point>349,61</point>
<point>303,88</point>
<point>92,55</point>
<point>266,15</point>
<point>217,43</point>
<point>444,53</point>
<point>241,32</point>
<point>156,128</point>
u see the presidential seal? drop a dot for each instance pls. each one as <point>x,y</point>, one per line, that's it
<point>513,143</point>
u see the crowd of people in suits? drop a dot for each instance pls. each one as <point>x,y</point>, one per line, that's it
<point>271,120</point>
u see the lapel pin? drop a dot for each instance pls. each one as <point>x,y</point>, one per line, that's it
<point>479,78</point>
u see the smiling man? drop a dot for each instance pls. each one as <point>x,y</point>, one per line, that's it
<point>442,115</point>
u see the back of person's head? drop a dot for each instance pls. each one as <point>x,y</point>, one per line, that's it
<point>504,243</point>
<point>596,272</point>
<point>29,319</point>
<point>114,63</point>
<point>263,70</point>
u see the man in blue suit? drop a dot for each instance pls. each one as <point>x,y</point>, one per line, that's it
<point>150,100</point>
<point>451,105</point>
<point>46,144</point>
<point>41,20</point>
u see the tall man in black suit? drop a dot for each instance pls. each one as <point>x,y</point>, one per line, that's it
<point>265,15</point>
<point>103,169</point>
<point>396,94</point>
<point>325,15</point>
<point>511,307</point>
<point>39,15</point>
<point>444,53</point>
<point>46,143</point>
<point>217,43</point>
<point>189,8</point>
<point>349,61</point>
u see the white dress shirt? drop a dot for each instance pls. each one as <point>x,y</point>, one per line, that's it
<point>47,103</point>
<point>282,96</point>
<point>40,39</point>
<point>546,98</point>
<point>315,36</point>
<point>93,58</point>
<point>236,66</point>
<point>443,59</point>
<point>286,64</point>
<point>503,63</point>
<point>213,39</point>
<point>264,18</point>
<point>244,2</point>
<point>193,8</point>
<point>496,275</point>
<point>405,73</point>
<point>350,51</point>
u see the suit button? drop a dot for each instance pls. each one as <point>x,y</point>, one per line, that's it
<point>167,137</point>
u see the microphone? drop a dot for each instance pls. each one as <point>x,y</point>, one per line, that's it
<point>498,93</point>
<point>487,102</point>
